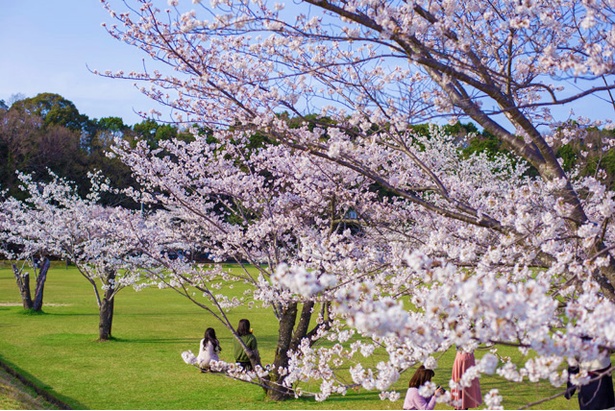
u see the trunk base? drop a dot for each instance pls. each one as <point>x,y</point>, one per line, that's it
<point>275,391</point>
<point>23,282</point>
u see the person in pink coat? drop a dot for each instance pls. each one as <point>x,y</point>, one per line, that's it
<point>468,397</point>
<point>414,400</point>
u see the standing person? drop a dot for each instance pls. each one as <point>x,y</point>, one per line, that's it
<point>467,397</point>
<point>245,333</point>
<point>208,350</point>
<point>413,400</point>
<point>598,393</point>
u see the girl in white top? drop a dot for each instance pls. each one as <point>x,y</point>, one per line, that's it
<point>208,350</point>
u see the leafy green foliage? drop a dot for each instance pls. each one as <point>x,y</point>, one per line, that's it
<point>47,132</point>
<point>588,155</point>
<point>484,143</point>
<point>154,132</point>
<point>54,110</point>
<point>568,155</point>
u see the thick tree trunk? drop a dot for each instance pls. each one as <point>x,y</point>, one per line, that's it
<point>289,339</point>
<point>302,329</point>
<point>23,283</point>
<point>275,390</point>
<point>106,318</point>
<point>106,311</point>
<point>40,285</point>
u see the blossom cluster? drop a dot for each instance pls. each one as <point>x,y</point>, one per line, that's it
<point>378,230</point>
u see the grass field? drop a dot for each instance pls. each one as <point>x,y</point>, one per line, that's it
<point>142,368</point>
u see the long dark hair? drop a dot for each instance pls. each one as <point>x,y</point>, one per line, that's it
<point>243,328</point>
<point>420,377</point>
<point>210,336</point>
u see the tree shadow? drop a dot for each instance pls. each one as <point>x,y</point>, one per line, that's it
<point>186,340</point>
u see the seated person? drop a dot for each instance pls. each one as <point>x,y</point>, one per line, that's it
<point>245,333</point>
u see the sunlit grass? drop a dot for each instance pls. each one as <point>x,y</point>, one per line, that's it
<point>141,367</point>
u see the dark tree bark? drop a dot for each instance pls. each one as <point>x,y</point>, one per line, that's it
<point>106,311</point>
<point>23,283</point>
<point>40,285</point>
<point>294,327</point>
<point>276,391</point>
<point>301,331</point>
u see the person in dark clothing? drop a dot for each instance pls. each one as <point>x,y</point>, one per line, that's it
<point>598,393</point>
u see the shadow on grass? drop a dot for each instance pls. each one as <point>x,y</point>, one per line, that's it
<point>32,313</point>
<point>154,340</point>
<point>42,389</point>
<point>342,398</point>
<point>92,338</point>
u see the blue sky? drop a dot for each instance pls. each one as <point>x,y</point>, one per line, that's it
<point>47,45</point>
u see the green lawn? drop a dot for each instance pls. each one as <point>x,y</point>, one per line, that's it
<point>142,367</point>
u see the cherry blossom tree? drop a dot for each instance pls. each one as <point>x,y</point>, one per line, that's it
<point>485,253</point>
<point>23,258</point>
<point>280,216</point>
<point>97,239</point>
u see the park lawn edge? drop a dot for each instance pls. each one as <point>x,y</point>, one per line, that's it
<point>18,392</point>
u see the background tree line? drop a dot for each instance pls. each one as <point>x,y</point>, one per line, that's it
<point>47,132</point>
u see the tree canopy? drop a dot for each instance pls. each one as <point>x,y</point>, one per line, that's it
<point>513,249</point>
<point>306,116</point>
